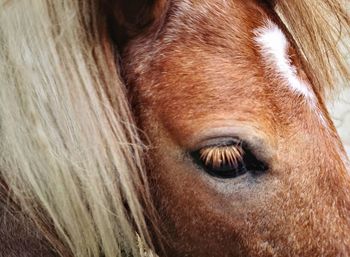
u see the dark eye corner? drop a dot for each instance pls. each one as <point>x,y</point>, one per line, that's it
<point>228,159</point>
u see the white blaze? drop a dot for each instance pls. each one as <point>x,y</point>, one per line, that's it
<point>273,46</point>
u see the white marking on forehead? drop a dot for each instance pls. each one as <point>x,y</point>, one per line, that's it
<point>273,45</point>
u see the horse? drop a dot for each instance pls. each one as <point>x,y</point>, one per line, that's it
<point>172,128</point>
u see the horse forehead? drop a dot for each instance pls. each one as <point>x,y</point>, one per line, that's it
<point>222,51</point>
<point>200,62</point>
<point>257,48</point>
<point>192,79</point>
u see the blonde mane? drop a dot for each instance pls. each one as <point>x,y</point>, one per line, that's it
<point>70,153</point>
<point>321,32</point>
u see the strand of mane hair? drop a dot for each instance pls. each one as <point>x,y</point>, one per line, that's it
<point>70,155</point>
<point>320,29</point>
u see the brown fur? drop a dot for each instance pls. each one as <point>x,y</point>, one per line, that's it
<point>201,72</point>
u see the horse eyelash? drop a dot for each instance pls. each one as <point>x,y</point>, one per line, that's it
<point>216,156</point>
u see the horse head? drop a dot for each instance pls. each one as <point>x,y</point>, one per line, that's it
<point>243,157</point>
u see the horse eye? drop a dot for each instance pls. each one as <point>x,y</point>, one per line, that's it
<point>228,160</point>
